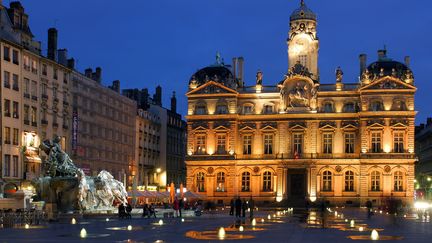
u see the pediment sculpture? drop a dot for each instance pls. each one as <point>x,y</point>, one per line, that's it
<point>298,93</point>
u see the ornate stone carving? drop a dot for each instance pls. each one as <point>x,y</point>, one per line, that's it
<point>338,168</point>
<point>269,124</point>
<point>259,77</point>
<point>350,123</point>
<point>327,123</point>
<point>210,170</point>
<point>377,121</point>
<point>256,169</point>
<point>398,121</point>
<point>301,124</point>
<point>387,169</point>
<point>339,74</point>
<point>199,124</point>
<point>247,124</point>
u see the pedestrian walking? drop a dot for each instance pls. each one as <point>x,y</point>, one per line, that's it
<point>176,206</point>
<point>244,208</point>
<point>251,207</point>
<point>232,207</point>
<point>369,208</point>
<point>238,206</point>
<point>181,205</point>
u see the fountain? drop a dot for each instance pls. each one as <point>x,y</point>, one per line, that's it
<point>73,221</point>
<point>83,233</point>
<point>221,233</point>
<point>374,235</point>
<point>64,187</point>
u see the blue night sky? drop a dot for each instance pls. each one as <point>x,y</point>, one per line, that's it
<point>148,42</point>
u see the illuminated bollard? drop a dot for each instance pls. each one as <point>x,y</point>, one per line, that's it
<point>374,235</point>
<point>221,233</point>
<point>83,233</point>
<point>73,221</point>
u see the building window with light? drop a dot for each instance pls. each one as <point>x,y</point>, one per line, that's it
<point>327,181</point>
<point>247,144</point>
<point>245,182</point>
<point>349,181</point>
<point>200,144</point>
<point>200,109</point>
<point>298,143</point>
<point>349,143</point>
<point>220,182</point>
<point>376,142</point>
<point>15,110</point>
<point>7,135</point>
<point>375,181</point>
<point>268,143</point>
<point>398,181</point>
<point>267,181</point>
<point>398,142</point>
<point>7,108</point>
<point>327,143</point>
<point>200,181</point>
<point>15,139</point>
<point>221,143</point>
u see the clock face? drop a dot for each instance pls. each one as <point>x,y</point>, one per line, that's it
<point>302,27</point>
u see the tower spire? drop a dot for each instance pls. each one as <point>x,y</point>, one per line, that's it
<point>302,3</point>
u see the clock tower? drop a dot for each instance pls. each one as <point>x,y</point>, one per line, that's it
<point>302,40</point>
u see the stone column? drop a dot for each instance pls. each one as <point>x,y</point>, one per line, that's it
<point>279,190</point>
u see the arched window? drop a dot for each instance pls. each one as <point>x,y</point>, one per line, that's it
<point>376,106</point>
<point>328,107</point>
<point>349,181</point>
<point>349,107</point>
<point>398,181</point>
<point>327,181</point>
<point>200,109</point>
<point>200,181</point>
<point>268,109</point>
<point>399,105</point>
<point>220,182</point>
<point>375,181</point>
<point>245,182</point>
<point>267,181</point>
<point>248,109</point>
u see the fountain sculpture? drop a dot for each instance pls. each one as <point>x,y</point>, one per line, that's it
<point>65,187</point>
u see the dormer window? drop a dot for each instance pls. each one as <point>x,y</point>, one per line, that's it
<point>328,107</point>
<point>268,109</point>
<point>349,107</point>
<point>248,109</point>
<point>200,109</point>
<point>376,106</point>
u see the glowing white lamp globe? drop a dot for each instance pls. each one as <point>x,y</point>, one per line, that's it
<point>374,235</point>
<point>83,233</point>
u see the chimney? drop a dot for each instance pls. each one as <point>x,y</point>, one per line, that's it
<point>240,69</point>
<point>52,44</point>
<point>62,56</point>
<point>429,121</point>
<point>116,86</point>
<point>407,60</point>
<point>382,54</point>
<point>98,75</point>
<point>157,97</point>
<point>234,67</point>
<point>88,72</point>
<point>363,61</point>
<point>173,103</point>
<point>71,63</point>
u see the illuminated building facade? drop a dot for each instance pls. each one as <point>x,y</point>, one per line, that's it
<point>300,138</point>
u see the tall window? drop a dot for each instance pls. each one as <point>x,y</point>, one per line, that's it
<point>268,144</point>
<point>26,114</point>
<point>15,109</point>
<point>7,135</point>
<point>54,92</point>
<point>298,143</point>
<point>349,142</point>
<point>328,107</point>
<point>15,136</point>
<point>267,181</point>
<point>15,80</point>
<point>7,165</point>
<point>349,181</point>
<point>33,115</point>
<point>349,107</point>
<point>221,143</point>
<point>7,108</point>
<point>398,141</point>
<point>303,60</point>
<point>377,106</point>
<point>200,144</point>
<point>221,109</point>
<point>220,182</point>
<point>376,142</point>
<point>44,89</point>
<point>200,109</point>
<point>6,53</point>
<point>44,69</point>
<point>15,58</point>
<point>6,79</point>
<point>327,143</point>
<point>55,73</point>
<point>398,181</point>
<point>247,109</point>
<point>26,86</point>
<point>34,89</point>
<point>200,181</point>
<point>247,144</point>
<point>327,181</point>
<point>245,182</point>
<point>15,165</point>
<point>375,181</point>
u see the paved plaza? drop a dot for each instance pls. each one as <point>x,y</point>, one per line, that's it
<point>298,226</point>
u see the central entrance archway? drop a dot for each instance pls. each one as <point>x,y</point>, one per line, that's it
<point>296,184</point>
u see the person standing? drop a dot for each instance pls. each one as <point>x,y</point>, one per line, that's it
<point>176,206</point>
<point>232,207</point>
<point>181,205</point>
<point>238,206</point>
<point>369,208</point>
<point>251,207</point>
<point>244,207</point>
